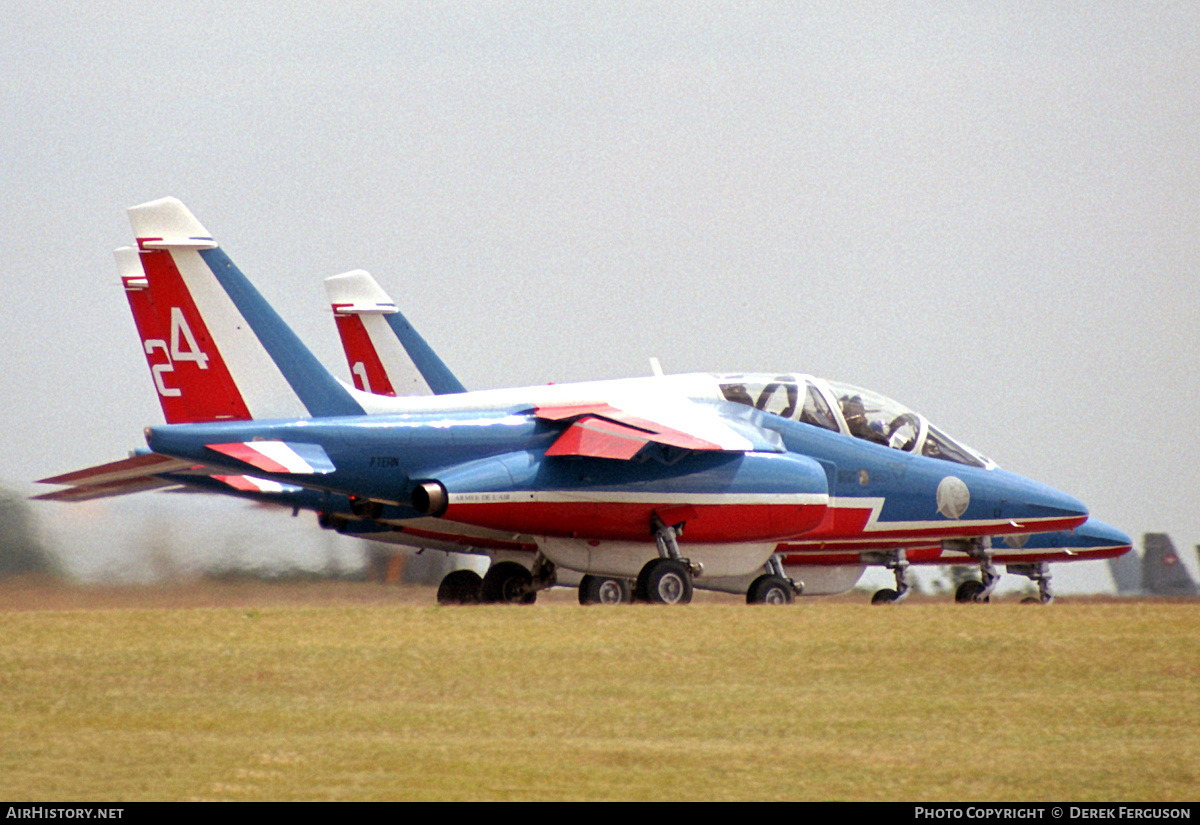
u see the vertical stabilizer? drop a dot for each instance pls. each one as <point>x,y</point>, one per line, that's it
<point>211,394</point>
<point>1127,574</point>
<point>386,355</point>
<point>220,352</point>
<point>1163,572</point>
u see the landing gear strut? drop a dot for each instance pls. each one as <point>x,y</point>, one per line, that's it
<point>977,591</point>
<point>667,579</point>
<point>897,562</point>
<point>774,587</point>
<point>1039,573</point>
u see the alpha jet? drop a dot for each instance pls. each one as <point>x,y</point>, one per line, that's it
<point>664,478</point>
<point>384,353</point>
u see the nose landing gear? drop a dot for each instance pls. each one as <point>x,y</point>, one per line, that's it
<point>1038,573</point>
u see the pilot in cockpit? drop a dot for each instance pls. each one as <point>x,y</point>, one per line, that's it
<point>856,416</point>
<point>860,426</point>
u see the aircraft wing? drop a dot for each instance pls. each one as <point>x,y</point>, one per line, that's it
<point>604,430</point>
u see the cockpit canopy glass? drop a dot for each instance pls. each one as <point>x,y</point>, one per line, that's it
<point>780,395</point>
<point>939,445</point>
<point>861,413</point>
<point>873,417</point>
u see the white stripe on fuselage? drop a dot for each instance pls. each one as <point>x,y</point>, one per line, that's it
<point>874,525</point>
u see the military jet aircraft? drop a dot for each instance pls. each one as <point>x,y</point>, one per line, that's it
<point>382,349</point>
<point>664,478</point>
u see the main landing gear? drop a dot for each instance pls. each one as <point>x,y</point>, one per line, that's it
<point>897,562</point>
<point>460,587</point>
<point>667,579</point>
<point>604,590</point>
<point>506,582</point>
<point>773,587</point>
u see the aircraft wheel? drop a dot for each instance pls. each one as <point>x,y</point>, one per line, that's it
<point>665,581</point>
<point>968,592</point>
<point>603,590</point>
<point>886,596</point>
<point>767,589</point>
<point>460,587</point>
<point>508,583</point>
<point>1031,600</point>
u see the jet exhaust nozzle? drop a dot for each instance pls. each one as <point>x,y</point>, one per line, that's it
<point>430,498</point>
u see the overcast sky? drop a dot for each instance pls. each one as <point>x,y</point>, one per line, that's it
<point>987,211</point>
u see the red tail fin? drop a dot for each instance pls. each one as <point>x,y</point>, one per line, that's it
<point>190,377</point>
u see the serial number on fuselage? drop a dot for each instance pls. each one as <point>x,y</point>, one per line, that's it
<point>385,461</point>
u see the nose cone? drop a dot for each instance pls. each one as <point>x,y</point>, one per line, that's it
<point>1047,503</point>
<point>1097,535</point>
<point>1037,508</point>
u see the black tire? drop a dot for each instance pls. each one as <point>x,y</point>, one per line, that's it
<point>460,587</point>
<point>507,582</point>
<point>1031,600</point>
<point>768,589</point>
<point>639,585</point>
<point>604,590</point>
<point>968,592</point>
<point>885,596</point>
<point>666,581</point>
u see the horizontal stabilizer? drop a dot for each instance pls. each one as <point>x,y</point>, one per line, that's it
<point>138,466</point>
<point>250,484</point>
<point>278,456</point>
<point>86,492</point>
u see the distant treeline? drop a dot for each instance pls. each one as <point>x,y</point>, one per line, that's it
<point>21,551</point>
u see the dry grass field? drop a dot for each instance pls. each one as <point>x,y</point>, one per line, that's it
<point>358,691</point>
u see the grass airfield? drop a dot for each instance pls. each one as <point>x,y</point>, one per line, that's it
<point>356,691</point>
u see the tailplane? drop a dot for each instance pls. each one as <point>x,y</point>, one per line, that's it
<point>217,350</point>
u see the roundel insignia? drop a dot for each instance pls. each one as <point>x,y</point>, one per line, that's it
<point>952,497</point>
<point>1017,540</point>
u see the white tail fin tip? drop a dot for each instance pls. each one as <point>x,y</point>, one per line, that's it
<point>356,292</point>
<point>130,267</point>
<point>166,223</point>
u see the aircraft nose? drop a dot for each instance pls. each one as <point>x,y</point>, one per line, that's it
<point>1096,533</point>
<point>1050,509</point>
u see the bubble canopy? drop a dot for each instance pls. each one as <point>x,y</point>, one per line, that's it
<point>849,410</point>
